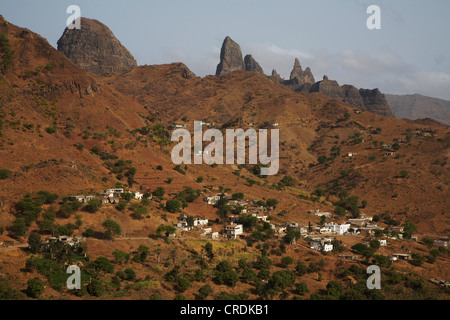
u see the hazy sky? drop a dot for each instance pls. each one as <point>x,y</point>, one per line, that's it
<point>410,54</point>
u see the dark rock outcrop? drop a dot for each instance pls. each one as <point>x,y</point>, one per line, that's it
<point>275,77</point>
<point>352,96</point>
<point>330,88</point>
<point>95,49</point>
<point>230,58</point>
<point>375,102</point>
<point>252,65</point>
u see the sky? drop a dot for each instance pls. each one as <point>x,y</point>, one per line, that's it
<point>409,54</point>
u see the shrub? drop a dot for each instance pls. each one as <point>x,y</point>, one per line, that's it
<point>173,206</point>
<point>286,261</point>
<point>205,291</point>
<point>50,130</point>
<point>93,205</point>
<point>301,288</point>
<point>95,288</point>
<point>403,174</point>
<point>4,173</point>
<point>35,288</point>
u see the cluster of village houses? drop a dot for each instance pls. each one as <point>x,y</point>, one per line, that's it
<point>110,196</point>
<point>234,230</point>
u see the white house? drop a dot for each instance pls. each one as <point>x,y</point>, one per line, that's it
<point>441,243</point>
<point>320,213</point>
<point>82,198</point>
<point>337,228</point>
<point>200,222</point>
<point>183,225</point>
<point>138,196</point>
<point>325,230</point>
<point>212,200</point>
<point>383,242</point>
<point>257,216</point>
<point>112,191</point>
<point>321,244</point>
<point>212,235</point>
<point>233,230</point>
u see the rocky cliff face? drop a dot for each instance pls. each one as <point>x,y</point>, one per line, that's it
<point>329,88</point>
<point>95,49</point>
<point>252,65</point>
<point>230,58</point>
<point>376,102</point>
<point>352,96</point>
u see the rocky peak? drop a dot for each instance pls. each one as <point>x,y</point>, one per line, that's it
<point>329,88</point>
<point>308,76</point>
<point>230,58</point>
<point>297,71</point>
<point>95,49</point>
<point>252,65</point>
<point>275,77</point>
<point>299,77</point>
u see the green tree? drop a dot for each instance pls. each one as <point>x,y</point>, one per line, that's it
<point>237,196</point>
<point>103,264</point>
<point>209,250</point>
<point>225,274</point>
<point>286,261</point>
<point>112,228</point>
<point>408,229</point>
<point>121,256</point>
<point>159,193</point>
<point>340,211</point>
<point>183,284</point>
<point>334,289</point>
<point>142,254</point>
<point>93,205</point>
<point>301,288</point>
<point>301,268</point>
<point>96,288</point>
<point>205,291</point>
<point>35,288</point>
<point>173,206</point>
<point>272,202</point>
<point>19,227</point>
<point>34,241</point>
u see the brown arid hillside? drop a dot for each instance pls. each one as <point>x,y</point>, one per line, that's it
<point>69,132</point>
<point>310,126</point>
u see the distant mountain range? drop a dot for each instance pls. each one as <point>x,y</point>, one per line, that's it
<point>416,106</point>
